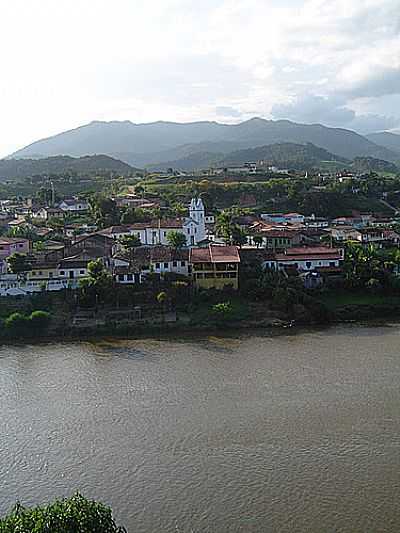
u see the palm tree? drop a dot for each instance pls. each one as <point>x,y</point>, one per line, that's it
<point>176,239</point>
<point>224,226</point>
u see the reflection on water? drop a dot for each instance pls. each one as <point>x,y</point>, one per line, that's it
<point>288,433</point>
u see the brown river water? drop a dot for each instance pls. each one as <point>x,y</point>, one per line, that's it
<point>292,433</point>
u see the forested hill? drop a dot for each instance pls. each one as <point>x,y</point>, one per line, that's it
<point>87,165</point>
<point>283,155</point>
<point>370,164</point>
<point>141,144</point>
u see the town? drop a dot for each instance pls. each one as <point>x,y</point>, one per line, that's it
<point>173,248</point>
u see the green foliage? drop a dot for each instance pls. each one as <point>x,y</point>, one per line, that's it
<point>104,210</point>
<point>131,215</point>
<point>26,325</point>
<point>238,236</point>
<point>98,287</point>
<point>224,226</point>
<point>39,320</point>
<point>176,239</point>
<point>130,241</point>
<point>23,232</point>
<point>73,515</point>
<point>161,297</point>
<point>223,310</point>
<point>18,263</point>
<point>16,322</point>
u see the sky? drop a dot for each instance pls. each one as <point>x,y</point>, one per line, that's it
<point>65,63</point>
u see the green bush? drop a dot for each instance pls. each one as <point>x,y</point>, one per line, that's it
<point>39,320</point>
<point>16,322</point>
<point>73,515</point>
<point>222,311</point>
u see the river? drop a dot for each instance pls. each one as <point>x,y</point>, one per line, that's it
<point>288,433</point>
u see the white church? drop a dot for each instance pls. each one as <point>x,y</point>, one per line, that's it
<point>156,232</point>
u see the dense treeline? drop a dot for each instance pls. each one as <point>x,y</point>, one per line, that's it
<point>72,515</point>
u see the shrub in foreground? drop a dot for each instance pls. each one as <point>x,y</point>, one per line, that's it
<point>72,515</point>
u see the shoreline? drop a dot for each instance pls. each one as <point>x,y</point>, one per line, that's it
<point>168,332</point>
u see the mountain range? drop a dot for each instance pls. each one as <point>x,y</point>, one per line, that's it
<point>199,144</point>
<point>87,165</point>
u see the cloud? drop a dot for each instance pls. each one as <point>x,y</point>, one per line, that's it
<point>227,111</point>
<point>329,61</point>
<point>371,123</point>
<point>314,108</point>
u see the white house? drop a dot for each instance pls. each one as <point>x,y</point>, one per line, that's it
<point>306,259</point>
<point>73,205</point>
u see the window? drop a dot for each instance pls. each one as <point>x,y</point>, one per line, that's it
<point>129,277</point>
<point>183,263</point>
<point>62,272</point>
<point>121,277</point>
<point>174,263</point>
<point>308,264</point>
<point>21,245</point>
<point>332,263</point>
<point>40,273</point>
<point>166,265</point>
<point>81,272</point>
<point>157,266</point>
<point>165,233</point>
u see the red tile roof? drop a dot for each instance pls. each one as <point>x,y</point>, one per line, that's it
<point>215,254</point>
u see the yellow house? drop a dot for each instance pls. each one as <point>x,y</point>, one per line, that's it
<point>215,267</point>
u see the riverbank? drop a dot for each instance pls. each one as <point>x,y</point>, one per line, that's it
<point>242,315</point>
<point>355,316</point>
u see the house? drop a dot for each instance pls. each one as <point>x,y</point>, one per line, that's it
<point>215,267</point>
<point>134,265</point>
<point>274,237</point>
<point>74,268</point>
<point>46,213</point>
<point>316,222</point>
<point>345,233</point>
<point>73,205</point>
<point>307,259</point>
<point>279,218</point>
<point>8,246</point>
<point>352,221</point>
<point>97,244</point>
<point>379,236</point>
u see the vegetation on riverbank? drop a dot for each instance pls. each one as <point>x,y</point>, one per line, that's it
<point>73,515</point>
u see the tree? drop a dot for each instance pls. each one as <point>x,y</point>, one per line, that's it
<point>39,320</point>
<point>99,285</point>
<point>222,311</point>
<point>16,323</point>
<point>70,515</point>
<point>130,241</point>
<point>176,239</point>
<point>18,263</point>
<point>238,236</point>
<point>224,226</point>
<point>258,240</point>
<point>104,210</point>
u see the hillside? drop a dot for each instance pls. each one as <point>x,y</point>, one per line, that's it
<point>369,164</point>
<point>284,155</point>
<point>161,142</point>
<point>88,165</point>
<point>388,140</point>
